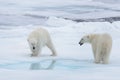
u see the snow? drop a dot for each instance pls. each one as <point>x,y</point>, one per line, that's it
<point>73,61</point>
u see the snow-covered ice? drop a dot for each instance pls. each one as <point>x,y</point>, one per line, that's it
<point>18,18</point>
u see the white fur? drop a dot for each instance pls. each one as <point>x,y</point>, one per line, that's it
<point>38,39</point>
<point>101,46</point>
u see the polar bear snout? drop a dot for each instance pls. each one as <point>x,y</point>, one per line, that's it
<point>33,47</point>
<point>80,43</point>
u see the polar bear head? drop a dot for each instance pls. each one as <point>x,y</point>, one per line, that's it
<point>32,43</point>
<point>85,39</point>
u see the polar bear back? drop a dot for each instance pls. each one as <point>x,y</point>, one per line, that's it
<point>40,34</point>
<point>103,38</point>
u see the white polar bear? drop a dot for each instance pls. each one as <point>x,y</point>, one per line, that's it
<point>38,39</point>
<point>101,46</point>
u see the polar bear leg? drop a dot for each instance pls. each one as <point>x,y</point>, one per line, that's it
<point>106,56</point>
<point>97,56</point>
<point>51,47</point>
<point>105,59</point>
<point>97,59</point>
<point>94,50</point>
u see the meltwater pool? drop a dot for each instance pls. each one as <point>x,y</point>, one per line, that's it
<point>46,64</point>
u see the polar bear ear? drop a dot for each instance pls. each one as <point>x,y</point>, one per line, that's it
<point>88,36</point>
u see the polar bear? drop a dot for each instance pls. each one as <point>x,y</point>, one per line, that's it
<point>101,46</point>
<point>39,38</point>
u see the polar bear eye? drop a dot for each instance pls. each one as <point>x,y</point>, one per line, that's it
<point>82,39</point>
